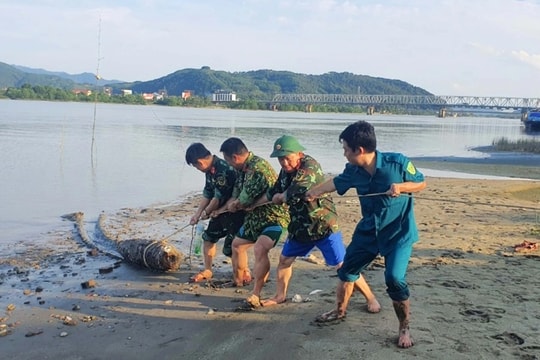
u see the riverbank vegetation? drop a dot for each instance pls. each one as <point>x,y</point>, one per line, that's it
<point>49,93</point>
<point>521,145</point>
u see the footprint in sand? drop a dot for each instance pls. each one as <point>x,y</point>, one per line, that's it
<point>453,254</point>
<point>458,284</point>
<point>482,314</point>
<point>509,338</point>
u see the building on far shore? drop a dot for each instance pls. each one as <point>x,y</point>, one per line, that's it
<point>86,92</point>
<point>186,94</point>
<point>152,96</point>
<point>224,96</point>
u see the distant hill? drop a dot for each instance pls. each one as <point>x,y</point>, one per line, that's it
<point>10,76</point>
<point>83,78</point>
<point>263,84</point>
<point>16,76</point>
<point>256,85</point>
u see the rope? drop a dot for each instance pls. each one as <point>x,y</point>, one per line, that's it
<point>144,252</point>
<point>254,207</point>
<point>467,202</point>
<point>174,233</point>
<point>373,194</point>
<point>477,203</point>
<point>191,243</point>
<point>78,218</point>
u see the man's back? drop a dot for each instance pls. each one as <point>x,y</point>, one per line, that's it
<point>254,181</point>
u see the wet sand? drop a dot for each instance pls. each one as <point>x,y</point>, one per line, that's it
<point>472,295</point>
<point>493,163</point>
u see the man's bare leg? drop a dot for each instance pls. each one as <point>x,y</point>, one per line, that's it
<point>209,250</point>
<point>361,285</point>
<point>402,309</point>
<point>284,273</point>
<point>261,267</point>
<point>343,295</point>
<point>239,259</point>
<point>373,305</point>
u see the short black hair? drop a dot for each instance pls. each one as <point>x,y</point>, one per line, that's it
<point>360,134</point>
<point>195,152</point>
<point>233,146</point>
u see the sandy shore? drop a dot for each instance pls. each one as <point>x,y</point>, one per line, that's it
<point>473,296</point>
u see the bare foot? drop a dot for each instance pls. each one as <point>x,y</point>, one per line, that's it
<point>246,280</point>
<point>405,340</point>
<point>312,259</point>
<point>373,306</point>
<point>273,301</point>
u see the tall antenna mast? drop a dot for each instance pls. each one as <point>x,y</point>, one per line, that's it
<point>98,77</point>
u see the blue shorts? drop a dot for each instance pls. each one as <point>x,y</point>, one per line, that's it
<point>332,248</point>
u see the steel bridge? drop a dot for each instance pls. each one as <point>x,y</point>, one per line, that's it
<point>408,100</point>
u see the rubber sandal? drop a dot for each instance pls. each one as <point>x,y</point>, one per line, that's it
<point>254,301</point>
<point>331,316</point>
<point>272,302</point>
<point>200,277</point>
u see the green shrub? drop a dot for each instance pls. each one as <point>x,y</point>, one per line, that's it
<point>521,145</point>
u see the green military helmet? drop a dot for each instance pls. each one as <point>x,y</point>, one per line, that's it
<point>286,145</point>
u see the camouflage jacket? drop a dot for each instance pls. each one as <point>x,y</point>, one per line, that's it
<point>254,180</point>
<point>313,220</point>
<point>220,180</point>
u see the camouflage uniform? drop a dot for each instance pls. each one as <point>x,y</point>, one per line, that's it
<point>255,179</point>
<point>310,221</point>
<point>220,180</point>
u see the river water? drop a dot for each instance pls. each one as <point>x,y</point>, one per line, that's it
<point>49,167</point>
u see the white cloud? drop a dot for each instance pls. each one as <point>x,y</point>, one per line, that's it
<point>527,58</point>
<point>486,49</point>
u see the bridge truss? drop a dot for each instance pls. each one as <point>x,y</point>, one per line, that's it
<point>421,100</point>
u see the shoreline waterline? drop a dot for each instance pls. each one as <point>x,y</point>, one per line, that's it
<point>40,229</point>
<point>495,164</point>
<point>139,161</point>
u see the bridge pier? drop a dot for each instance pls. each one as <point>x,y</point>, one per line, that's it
<point>309,108</point>
<point>442,113</point>
<point>273,107</point>
<point>523,115</point>
<point>370,110</point>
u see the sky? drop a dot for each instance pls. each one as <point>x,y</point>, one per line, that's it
<point>447,47</point>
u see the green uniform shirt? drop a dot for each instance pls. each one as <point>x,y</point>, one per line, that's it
<point>254,180</point>
<point>220,180</point>
<point>310,221</point>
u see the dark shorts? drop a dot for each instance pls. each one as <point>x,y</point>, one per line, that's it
<point>225,225</point>
<point>273,231</point>
<point>331,247</point>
